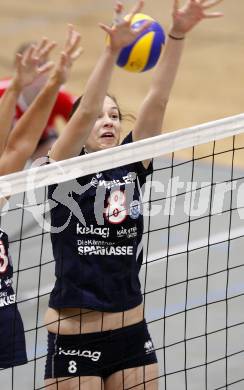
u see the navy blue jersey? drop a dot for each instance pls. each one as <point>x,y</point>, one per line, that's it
<point>97,228</point>
<point>12,338</point>
<point>7,296</point>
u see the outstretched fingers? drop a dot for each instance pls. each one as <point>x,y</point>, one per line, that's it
<point>46,67</point>
<point>142,28</point>
<point>206,4</point>
<point>74,44</point>
<point>137,8</point>
<point>29,65</point>
<point>176,6</point>
<point>39,46</point>
<point>72,49</point>
<point>63,59</point>
<point>43,49</point>
<point>69,35</point>
<point>121,33</point>
<point>72,40</point>
<point>66,59</point>
<point>210,3</point>
<point>76,54</point>
<point>46,50</point>
<point>106,28</point>
<point>118,13</point>
<point>29,56</point>
<point>213,15</point>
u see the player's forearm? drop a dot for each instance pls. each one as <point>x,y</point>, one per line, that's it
<point>7,111</point>
<point>79,127</point>
<point>151,115</point>
<point>166,70</point>
<point>29,128</point>
<point>97,85</point>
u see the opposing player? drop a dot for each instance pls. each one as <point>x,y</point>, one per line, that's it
<point>16,147</point>
<point>61,108</point>
<point>98,337</point>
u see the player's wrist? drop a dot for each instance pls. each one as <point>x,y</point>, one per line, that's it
<point>176,35</point>
<point>56,79</point>
<point>15,85</point>
<point>112,51</point>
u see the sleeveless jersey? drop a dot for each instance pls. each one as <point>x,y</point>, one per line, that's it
<point>7,295</point>
<point>97,229</point>
<point>12,336</point>
<point>62,108</point>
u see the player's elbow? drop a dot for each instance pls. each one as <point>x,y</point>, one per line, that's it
<point>87,112</point>
<point>25,149</point>
<point>160,100</point>
<point>156,101</point>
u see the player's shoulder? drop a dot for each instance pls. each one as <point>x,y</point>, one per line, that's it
<point>127,139</point>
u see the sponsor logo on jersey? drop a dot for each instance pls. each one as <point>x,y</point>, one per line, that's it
<point>95,242</point>
<point>131,232</point>
<point>105,251</point>
<point>103,232</point>
<point>94,182</point>
<point>7,300</point>
<point>135,209</point>
<point>8,282</point>
<point>148,346</point>
<point>128,179</point>
<point>94,356</point>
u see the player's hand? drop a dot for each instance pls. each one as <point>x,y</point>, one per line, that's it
<point>121,34</point>
<point>33,63</point>
<point>71,52</point>
<point>187,17</point>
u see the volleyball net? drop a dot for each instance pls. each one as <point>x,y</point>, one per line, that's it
<point>192,274</point>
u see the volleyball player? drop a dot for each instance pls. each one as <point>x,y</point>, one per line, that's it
<point>62,106</point>
<point>97,335</point>
<point>16,147</point>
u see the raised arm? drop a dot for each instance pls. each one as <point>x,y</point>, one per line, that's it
<point>23,139</point>
<point>151,114</point>
<point>7,109</point>
<point>75,134</point>
<point>27,70</point>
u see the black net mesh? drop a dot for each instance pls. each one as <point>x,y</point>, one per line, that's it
<point>192,275</point>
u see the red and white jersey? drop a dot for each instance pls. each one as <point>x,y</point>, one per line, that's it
<point>62,107</point>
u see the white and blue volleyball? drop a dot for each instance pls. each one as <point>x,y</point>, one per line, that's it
<point>142,54</point>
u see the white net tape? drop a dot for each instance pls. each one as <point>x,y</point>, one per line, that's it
<point>111,158</point>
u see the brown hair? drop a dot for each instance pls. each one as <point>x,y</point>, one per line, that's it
<point>77,102</point>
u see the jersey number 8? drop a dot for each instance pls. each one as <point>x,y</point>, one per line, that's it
<point>3,258</point>
<point>115,211</point>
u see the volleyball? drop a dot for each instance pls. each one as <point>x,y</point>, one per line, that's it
<point>142,54</point>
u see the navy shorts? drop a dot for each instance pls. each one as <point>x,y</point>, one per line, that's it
<point>99,354</point>
<point>12,338</point>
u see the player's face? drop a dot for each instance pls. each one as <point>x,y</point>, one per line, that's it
<point>106,132</point>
